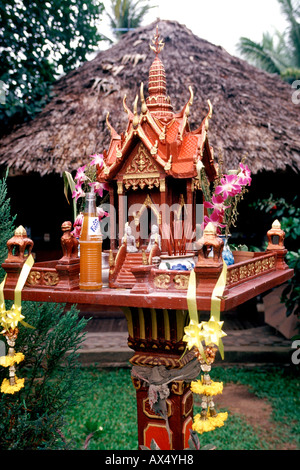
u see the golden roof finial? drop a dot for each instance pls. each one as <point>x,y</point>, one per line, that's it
<point>210,229</point>
<point>276,224</point>
<point>158,43</point>
<point>20,232</point>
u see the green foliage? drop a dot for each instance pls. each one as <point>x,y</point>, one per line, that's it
<point>291,294</point>
<point>32,418</point>
<point>6,222</point>
<point>112,405</point>
<point>39,41</point>
<point>288,214</point>
<point>127,14</point>
<point>278,53</point>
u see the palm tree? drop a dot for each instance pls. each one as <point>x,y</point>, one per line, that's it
<point>279,53</point>
<point>127,14</point>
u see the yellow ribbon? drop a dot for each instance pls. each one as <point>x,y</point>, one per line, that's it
<point>210,331</point>
<point>193,335</point>
<point>191,298</point>
<point>11,318</point>
<point>217,293</point>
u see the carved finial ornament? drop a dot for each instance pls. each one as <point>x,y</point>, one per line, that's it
<point>158,44</point>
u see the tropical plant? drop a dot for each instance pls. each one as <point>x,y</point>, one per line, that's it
<point>6,222</point>
<point>32,416</point>
<point>39,41</point>
<point>278,53</point>
<point>127,14</point>
<point>288,213</point>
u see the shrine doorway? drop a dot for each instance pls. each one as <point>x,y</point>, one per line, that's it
<point>147,216</point>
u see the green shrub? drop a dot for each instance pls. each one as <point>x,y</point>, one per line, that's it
<point>32,417</point>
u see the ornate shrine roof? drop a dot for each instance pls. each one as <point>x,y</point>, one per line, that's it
<point>166,135</point>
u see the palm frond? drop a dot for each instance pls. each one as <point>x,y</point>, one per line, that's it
<point>291,11</point>
<point>258,55</point>
<point>126,14</point>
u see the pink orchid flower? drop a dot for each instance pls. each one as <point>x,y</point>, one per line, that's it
<point>97,159</point>
<point>80,176</point>
<point>78,193</point>
<point>101,213</point>
<point>244,175</point>
<point>216,219</point>
<point>217,204</point>
<point>77,225</point>
<point>98,187</point>
<point>229,186</point>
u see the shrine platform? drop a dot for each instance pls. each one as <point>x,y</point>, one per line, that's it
<point>249,341</point>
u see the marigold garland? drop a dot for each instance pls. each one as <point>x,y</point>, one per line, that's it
<point>214,388</point>
<point>7,388</point>
<point>9,321</point>
<point>7,361</point>
<point>201,425</point>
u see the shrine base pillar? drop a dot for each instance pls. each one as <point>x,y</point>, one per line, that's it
<point>171,435</point>
<point>160,361</point>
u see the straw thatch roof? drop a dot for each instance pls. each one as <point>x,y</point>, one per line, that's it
<point>253,112</point>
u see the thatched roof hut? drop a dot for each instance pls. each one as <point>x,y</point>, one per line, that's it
<point>253,112</point>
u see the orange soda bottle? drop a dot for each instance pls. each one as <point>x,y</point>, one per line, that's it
<point>90,247</point>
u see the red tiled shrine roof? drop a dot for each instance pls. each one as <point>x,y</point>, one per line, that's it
<point>166,135</point>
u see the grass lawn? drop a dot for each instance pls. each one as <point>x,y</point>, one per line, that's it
<point>108,402</point>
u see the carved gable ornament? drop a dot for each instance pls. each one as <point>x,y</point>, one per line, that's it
<point>141,171</point>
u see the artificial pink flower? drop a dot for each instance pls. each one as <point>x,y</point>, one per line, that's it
<point>216,219</point>
<point>98,187</point>
<point>77,231</point>
<point>80,175</point>
<point>217,204</point>
<point>229,186</point>
<point>77,225</point>
<point>244,175</point>
<point>78,193</point>
<point>101,213</point>
<point>97,159</point>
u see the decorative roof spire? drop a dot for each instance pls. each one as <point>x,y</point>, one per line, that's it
<point>158,102</point>
<point>158,43</point>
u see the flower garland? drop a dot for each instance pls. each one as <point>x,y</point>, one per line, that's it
<point>222,205</point>
<point>9,321</point>
<point>85,180</point>
<point>209,418</point>
<point>204,339</point>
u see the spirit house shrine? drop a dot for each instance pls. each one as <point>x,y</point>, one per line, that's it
<point>157,173</point>
<point>153,167</point>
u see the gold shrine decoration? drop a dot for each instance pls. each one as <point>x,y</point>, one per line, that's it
<point>135,183</point>
<point>141,172</point>
<point>142,163</point>
<point>148,203</point>
<point>250,269</point>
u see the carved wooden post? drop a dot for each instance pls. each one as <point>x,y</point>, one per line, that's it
<point>19,248</point>
<point>68,266</point>
<point>276,243</point>
<point>156,335</point>
<point>210,261</point>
